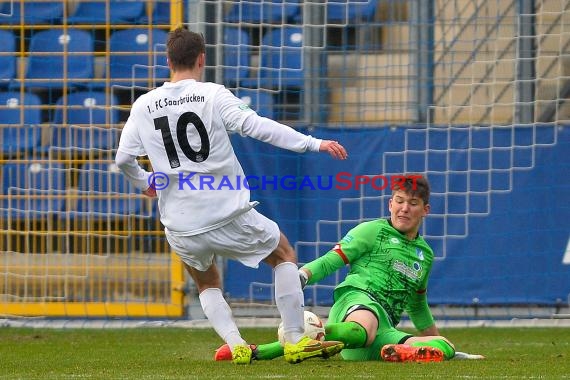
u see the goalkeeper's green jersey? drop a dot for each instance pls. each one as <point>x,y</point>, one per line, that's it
<point>385,264</point>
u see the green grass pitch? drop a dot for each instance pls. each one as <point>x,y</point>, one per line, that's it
<point>178,353</point>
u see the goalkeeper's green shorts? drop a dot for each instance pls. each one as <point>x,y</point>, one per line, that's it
<point>386,334</point>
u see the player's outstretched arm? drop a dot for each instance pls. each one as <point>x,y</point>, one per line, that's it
<point>333,148</point>
<point>283,136</point>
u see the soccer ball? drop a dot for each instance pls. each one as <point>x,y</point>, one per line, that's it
<point>313,328</point>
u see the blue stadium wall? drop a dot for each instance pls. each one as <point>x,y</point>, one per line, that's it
<point>513,255</point>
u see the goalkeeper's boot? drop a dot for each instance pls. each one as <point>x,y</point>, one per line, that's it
<point>308,348</point>
<point>224,352</point>
<point>242,354</point>
<point>407,353</point>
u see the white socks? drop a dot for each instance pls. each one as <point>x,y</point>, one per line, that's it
<point>288,296</point>
<point>290,301</point>
<point>220,316</point>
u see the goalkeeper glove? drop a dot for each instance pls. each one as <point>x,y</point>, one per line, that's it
<point>304,278</point>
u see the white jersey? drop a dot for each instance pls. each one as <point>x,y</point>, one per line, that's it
<point>183,128</point>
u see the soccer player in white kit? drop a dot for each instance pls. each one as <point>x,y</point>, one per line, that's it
<point>183,128</point>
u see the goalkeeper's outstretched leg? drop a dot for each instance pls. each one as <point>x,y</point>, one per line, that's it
<point>363,343</point>
<point>305,349</point>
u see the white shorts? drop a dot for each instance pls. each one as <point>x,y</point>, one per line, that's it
<point>249,238</point>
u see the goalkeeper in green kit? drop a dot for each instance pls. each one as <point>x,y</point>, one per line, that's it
<point>389,269</point>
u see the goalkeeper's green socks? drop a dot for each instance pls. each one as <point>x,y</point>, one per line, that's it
<point>446,348</point>
<point>351,334</point>
<point>268,351</point>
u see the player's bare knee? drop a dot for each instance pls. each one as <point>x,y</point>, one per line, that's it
<point>209,278</point>
<point>283,253</point>
<point>203,285</point>
<point>287,254</point>
<point>280,256</point>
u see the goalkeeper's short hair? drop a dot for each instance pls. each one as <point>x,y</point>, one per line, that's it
<point>413,184</point>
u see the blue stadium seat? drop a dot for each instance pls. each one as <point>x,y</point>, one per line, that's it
<point>237,57</point>
<point>87,108</point>
<point>161,12</point>
<point>258,100</point>
<point>66,138</point>
<point>7,57</point>
<point>85,123</point>
<point>20,125</point>
<point>96,181</point>
<point>47,70</point>
<point>281,66</point>
<point>35,12</point>
<point>146,58</point>
<point>264,11</point>
<point>120,12</point>
<point>350,11</point>
<point>33,189</point>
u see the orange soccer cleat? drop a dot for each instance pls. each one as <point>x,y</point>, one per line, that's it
<point>407,353</point>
